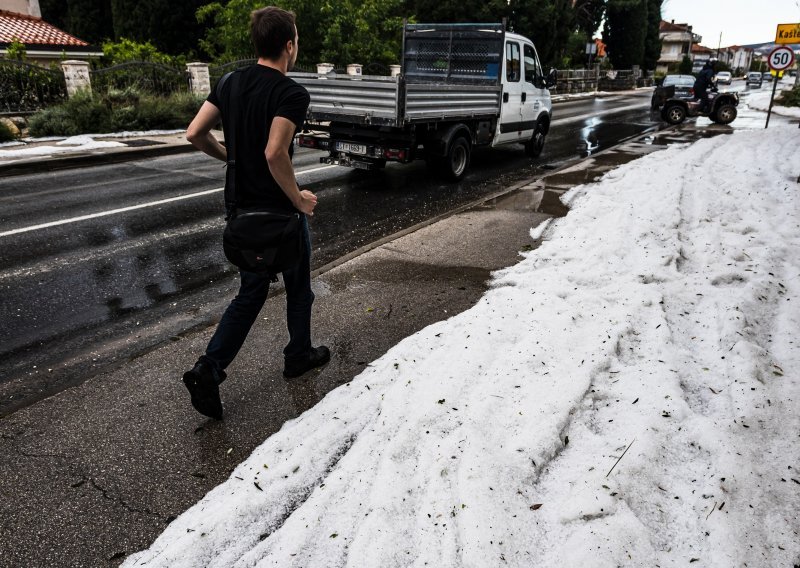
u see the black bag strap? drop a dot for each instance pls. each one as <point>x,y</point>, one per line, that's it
<point>230,139</point>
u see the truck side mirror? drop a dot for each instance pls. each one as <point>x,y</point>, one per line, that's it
<point>552,78</point>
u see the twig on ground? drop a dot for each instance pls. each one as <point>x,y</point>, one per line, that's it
<point>620,457</point>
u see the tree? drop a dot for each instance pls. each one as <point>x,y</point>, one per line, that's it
<point>171,26</point>
<point>652,41</point>
<point>685,67</point>
<point>589,15</point>
<point>548,23</point>
<point>364,31</point>
<point>89,20</point>
<point>55,12</point>
<point>625,32</point>
<point>343,32</point>
<point>457,11</point>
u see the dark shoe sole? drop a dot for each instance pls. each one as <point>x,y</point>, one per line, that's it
<point>205,399</point>
<point>302,370</point>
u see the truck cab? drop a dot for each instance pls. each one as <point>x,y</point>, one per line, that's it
<point>526,105</point>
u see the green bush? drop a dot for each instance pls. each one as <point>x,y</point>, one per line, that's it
<point>119,110</point>
<point>790,98</point>
<point>5,133</point>
<point>125,49</point>
<point>79,115</point>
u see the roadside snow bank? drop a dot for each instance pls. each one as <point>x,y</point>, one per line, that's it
<point>80,143</point>
<point>660,315</point>
<point>73,144</point>
<point>760,100</point>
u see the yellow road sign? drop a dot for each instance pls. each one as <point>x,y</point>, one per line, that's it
<point>788,33</point>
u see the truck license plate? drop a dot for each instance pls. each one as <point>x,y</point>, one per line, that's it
<point>351,148</point>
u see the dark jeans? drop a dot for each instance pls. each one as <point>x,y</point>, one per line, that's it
<point>245,307</point>
<point>702,94</point>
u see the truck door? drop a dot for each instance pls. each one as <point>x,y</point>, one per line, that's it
<point>509,127</point>
<point>534,89</point>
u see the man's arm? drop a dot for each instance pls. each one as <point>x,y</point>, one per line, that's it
<point>281,132</point>
<point>199,132</point>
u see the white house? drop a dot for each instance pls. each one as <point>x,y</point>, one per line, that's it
<point>676,41</point>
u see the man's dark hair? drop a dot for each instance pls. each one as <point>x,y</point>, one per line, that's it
<point>270,29</point>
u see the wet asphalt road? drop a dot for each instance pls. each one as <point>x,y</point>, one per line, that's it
<point>82,295</point>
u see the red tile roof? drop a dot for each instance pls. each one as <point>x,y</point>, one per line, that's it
<point>33,31</point>
<point>701,49</point>
<point>665,26</point>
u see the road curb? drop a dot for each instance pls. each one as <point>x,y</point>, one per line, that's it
<point>476,203</point>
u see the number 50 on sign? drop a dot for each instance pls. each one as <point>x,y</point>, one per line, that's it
<point>781,58</point>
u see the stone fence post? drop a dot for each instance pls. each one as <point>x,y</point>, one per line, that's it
<point>199,79</point>
<point>76,75</point>
<point>394,70</point>
<point>354,69</point>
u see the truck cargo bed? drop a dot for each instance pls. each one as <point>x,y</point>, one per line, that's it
<point>392,102</point>
<point>449,72</point>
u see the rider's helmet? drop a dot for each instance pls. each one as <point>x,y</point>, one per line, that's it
<point>712,63</point>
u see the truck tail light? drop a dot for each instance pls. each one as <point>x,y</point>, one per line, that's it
<point>394,154</point>
<point>307,142</point>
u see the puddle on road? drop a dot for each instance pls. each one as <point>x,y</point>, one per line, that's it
<point>569,179</point>
<point>544,195</point>
<point>529,198</point>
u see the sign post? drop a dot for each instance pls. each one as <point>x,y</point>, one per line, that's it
<point>591,49</point>
<point>780,59</point>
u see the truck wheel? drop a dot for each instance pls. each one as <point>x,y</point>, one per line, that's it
<point>457,160</point>
<point>535,145</point>
<point>725,114</point>
<point>674,114</point>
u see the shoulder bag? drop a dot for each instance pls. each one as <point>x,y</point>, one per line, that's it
<point>258,240</point>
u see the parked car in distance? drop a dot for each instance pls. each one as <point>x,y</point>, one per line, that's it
<point>724,77</point>
<point>754,78</point>
<point>766,76</point>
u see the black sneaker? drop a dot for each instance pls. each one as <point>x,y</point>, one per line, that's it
<point>297,366</point>
<point>203,385</point>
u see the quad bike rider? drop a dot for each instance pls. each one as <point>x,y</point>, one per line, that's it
<point>704,82</point>
<point>719,107</point>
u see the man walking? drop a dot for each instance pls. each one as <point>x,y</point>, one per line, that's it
<point>271,109</point>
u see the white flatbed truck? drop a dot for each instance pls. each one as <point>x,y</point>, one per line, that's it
<point>460,86</point>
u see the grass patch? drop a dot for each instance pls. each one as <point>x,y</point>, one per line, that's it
<point>115,111</point>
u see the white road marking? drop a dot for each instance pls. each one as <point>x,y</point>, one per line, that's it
<point>130,208</point>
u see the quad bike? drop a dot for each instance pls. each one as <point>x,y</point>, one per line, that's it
<point>674,110</point>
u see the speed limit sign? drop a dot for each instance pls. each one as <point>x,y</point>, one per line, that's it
<point>781,58</point>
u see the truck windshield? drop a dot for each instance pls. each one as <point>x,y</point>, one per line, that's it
<point>512,62</point>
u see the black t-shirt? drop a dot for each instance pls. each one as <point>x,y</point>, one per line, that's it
<point>264,93</point>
